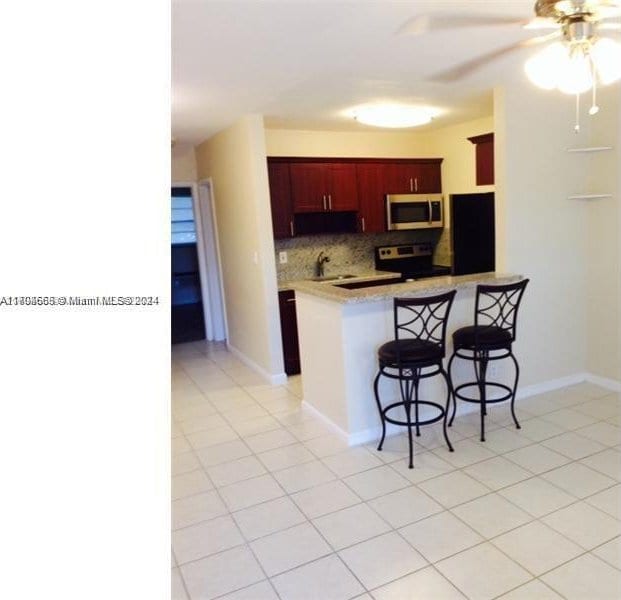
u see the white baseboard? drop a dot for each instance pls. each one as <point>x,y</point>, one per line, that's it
<point>373,434</point>
<point>329,422</point>
<point>358,437</point>
<point>609,384</point>
<point>550,385</point>
<point>277,379</point>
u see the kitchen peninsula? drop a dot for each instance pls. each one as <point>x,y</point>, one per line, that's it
<point>339,332</point>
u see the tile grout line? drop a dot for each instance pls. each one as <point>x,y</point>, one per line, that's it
<point>409,484</point>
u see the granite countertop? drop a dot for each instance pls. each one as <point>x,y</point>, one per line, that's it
<point>330,279</point>
<point>432,285</point>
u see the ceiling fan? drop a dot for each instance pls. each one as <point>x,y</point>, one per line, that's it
<point>575,22</point>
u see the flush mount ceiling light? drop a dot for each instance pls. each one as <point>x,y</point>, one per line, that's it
<point>392,115</point>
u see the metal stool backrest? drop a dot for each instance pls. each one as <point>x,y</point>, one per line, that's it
<point>423,318</point>
<point>497,306</point>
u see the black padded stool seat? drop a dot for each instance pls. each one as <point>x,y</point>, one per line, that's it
<point>481,336</point>
<point>490,338</point>
<point>416,353</point>
<point>410,351</point>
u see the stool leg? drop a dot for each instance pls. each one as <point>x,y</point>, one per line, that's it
<point>406,395</point>
<point>416,382</point>
<point>517,376</point>
<point>379,408</point>
<point>451,389</point>
<point>482,362</point>
<point>448,402</point>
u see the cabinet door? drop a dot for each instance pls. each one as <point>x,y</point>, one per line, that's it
<point>289,332</point>
<point>371,193</point>
<point>401,178</point>
<point>308,187</point>
<point>280,199</point>
<point>485,163</point>
<point>429,178</point>
<point>342,189</point>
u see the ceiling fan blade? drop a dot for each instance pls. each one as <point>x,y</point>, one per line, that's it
<point>424,23</point>
<point>542,23</point>
<point>470,66</point>
<point>610,26</point>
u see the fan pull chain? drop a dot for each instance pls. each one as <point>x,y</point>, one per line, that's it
<point>577,125</point>
<point>594,107</point>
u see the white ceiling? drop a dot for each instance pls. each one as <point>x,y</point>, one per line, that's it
<point>301,63</point>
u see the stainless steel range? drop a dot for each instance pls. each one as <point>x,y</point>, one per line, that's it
<point>413,261</point>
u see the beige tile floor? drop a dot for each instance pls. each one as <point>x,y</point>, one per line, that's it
<point>268,503</point>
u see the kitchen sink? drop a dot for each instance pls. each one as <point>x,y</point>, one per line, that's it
<point>333,277</point>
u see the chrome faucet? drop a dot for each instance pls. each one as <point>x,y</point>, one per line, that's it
<point>321,260</point>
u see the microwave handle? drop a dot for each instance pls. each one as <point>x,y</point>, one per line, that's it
<point>430,212</point>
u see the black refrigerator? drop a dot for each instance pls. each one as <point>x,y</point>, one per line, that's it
<point>473,233</point>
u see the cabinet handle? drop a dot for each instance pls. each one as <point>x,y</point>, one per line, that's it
<point>416,184</point>
<point>291,228</point>
<point>324,202</point>
<point>290,300</point>
<point>363,224</point>
<point>411,185</point>
<point>329,202</point>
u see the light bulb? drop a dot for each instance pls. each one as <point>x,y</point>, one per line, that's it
<point>606,56</point>
<point>543,68</point>
<point>575,76</point>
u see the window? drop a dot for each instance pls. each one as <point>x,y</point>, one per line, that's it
<point>183,230</point>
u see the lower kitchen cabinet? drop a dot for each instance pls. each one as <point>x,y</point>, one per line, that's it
<point>289,332</point>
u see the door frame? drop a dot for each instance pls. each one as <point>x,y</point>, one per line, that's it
<point>209,260</point>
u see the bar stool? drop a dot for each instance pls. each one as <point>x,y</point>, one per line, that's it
<point>495,317</point>
<point>420,333</point>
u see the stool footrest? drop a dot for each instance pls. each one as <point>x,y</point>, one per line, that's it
<point>413,422</point>
<point>492,384</point>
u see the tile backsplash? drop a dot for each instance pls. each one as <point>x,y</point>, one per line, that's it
<point>347,252</point>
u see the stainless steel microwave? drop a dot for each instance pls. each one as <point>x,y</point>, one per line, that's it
<point>414,211</point>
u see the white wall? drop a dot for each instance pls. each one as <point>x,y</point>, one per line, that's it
<point>183,163</point>
<point>541,233</point>
<point>603,223</point>
<point>372,144</point>
<point>235,159</point>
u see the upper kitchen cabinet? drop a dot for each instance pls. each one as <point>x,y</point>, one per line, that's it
<point>323,187</point>
<point>484,145</point>
<point>420,176</point>
<point>280,197</point>
<point>371,192</point>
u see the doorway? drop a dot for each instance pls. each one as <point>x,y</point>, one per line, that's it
<point>187,311</point>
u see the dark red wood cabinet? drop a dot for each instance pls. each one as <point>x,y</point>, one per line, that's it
<point>371,191</point>
<point>421,176</point>
<point>342,189</point>
<point>484,152</point>
<point>289,332</point>
<point>280,198</point>
<point>323,186</point>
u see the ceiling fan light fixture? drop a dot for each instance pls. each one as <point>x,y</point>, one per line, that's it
<point>606,55</point>
<point>543,68</point>
<point>575,72</point>
<point>392,115</point>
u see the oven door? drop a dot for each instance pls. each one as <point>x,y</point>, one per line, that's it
<point>405,211</point>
